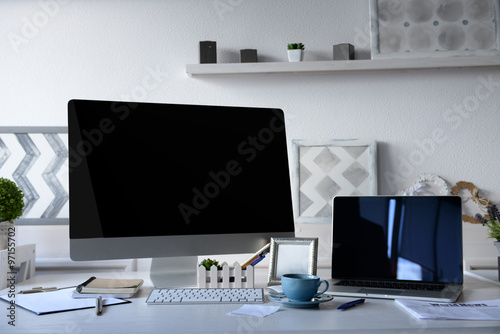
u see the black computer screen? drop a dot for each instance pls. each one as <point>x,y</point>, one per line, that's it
<point>398,237</point>
<point>170,169</point>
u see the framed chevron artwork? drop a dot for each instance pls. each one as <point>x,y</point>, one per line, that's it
<point>36,159</point>
<point>322,170</point>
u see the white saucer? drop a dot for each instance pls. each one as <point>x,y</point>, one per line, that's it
<point>282,299</point>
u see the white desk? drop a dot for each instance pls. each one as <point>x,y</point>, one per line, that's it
<point>375,316</point>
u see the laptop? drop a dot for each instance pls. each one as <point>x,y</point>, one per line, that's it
<point>397,247</point>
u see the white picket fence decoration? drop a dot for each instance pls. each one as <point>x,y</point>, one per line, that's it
<point>221,279</point>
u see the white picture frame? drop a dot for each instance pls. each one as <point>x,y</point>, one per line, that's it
<point>292,256</point>
<point>324,169</point>
<point>418,29</point>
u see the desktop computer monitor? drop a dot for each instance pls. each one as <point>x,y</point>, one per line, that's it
<point>172,182</point>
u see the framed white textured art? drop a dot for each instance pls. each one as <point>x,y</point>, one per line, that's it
<point>433,28</point>
<point>322,170</point>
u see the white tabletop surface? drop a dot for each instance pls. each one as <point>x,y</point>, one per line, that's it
<point>374,316</point>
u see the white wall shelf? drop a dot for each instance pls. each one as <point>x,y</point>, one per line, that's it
<point>340,66</point>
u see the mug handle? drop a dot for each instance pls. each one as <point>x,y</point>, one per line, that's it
<point>324,290</point>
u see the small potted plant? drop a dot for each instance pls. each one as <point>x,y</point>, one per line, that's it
<point>11,208</point>
<point>208,263</point>
<point>295,52</point>
<point>492,221</point>
<point>212,274</point>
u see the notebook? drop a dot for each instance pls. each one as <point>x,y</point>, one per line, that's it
<point>108,287</point>
<point>397,247</point>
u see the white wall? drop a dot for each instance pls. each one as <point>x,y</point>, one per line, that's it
<point>55,50</point>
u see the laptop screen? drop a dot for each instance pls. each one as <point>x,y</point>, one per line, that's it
<point>410,238</point>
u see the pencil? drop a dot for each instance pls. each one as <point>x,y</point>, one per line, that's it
<point>255,256</point>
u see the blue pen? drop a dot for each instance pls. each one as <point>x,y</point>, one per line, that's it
<point>351,304</point>
<point>257,260</point>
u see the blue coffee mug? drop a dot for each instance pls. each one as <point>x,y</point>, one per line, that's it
<point>302,287</point>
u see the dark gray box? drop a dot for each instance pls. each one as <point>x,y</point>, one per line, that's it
<point>248,56</point>
<point>344,51</point>
<point>208,52</point>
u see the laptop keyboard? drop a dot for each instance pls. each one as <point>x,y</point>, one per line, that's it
<point>393,285</point>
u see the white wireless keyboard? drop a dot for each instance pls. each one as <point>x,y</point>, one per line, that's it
<point>205,296</point>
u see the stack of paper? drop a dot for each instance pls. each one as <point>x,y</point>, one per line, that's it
<point>476,310</point>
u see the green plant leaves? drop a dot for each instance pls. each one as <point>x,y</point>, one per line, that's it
<point>296,46</point>
<point>11,201</point>
<point>208,263</point>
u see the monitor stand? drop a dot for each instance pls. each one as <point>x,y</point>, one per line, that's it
<point>174,272</point>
